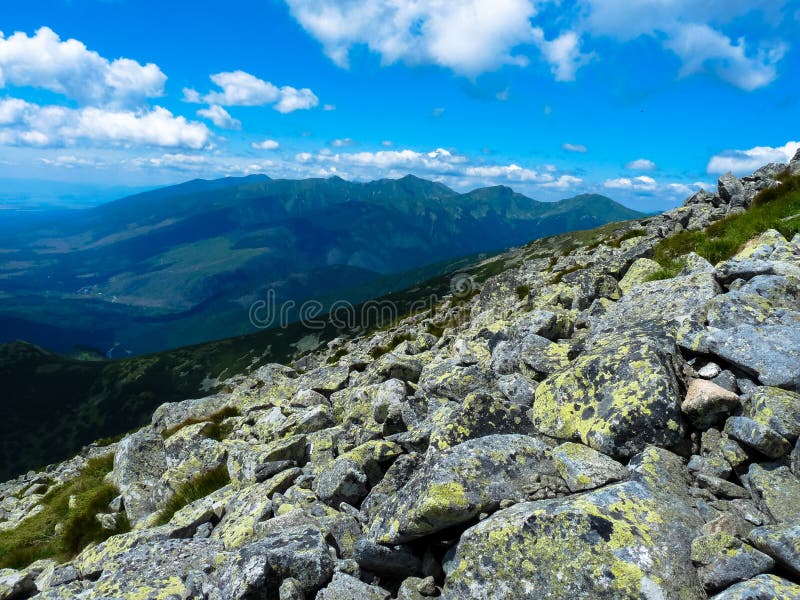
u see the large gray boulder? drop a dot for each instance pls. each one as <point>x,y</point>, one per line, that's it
<point>627,540</point>
<point>139,463</point>
<point>617,397</point>
<point>458,483</point>
<point>756,327</point>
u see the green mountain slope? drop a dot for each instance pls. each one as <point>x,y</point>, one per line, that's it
<point>182,265</point>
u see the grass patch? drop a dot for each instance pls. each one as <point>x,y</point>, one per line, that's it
<point>723,239</point>
<point>216,419</point>
<point>523,291</point>
<point>36,538</point>
<point>559,277</point>
<point>199,487</point>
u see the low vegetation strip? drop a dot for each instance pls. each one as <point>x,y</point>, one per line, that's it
<point>775,208</point>
<point>67,520</point>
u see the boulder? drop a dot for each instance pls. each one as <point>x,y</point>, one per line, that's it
<point>763,587</point>
<point>758,436</point>
<point>139,463</point>
<point>777,409</point>
<point>350,477</point>
<point>617,397</point>
<point>781,542</point>
<point>706,403</point>
<point>457,484</point>
<point>639,272</point>
<point>722,560</point>
<point>776,490</point>
<point>584,469</point>
<point>347,587</point>
<point>729,187</point>
<point>626,540</point>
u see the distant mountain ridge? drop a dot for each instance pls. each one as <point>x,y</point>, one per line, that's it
<point>181,264</point>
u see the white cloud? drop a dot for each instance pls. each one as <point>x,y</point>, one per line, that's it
<point>703,49</point>
<point>328,107</point>
<point>341,143</point>
<point>437,112</point>
<point>27,124</point>
<point>265,145</point>
<point>510,172</point>
<point>70,162</point>
<point>743,162</point>
<point>220,117</point>
<point>563,53</point>
<point>641,164</point>
<point>387,143</point>
<point>641,183</point>
<point>69,68</point>
<point>691,30</point>
<point>564,182</point>
<point>238,88</point>
<point>580,148</point>
<point>179,161</point>
<point>468,37</point>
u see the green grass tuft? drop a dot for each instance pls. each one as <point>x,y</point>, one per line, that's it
<point>199,487</point>
<point>523,291</point>
<point>36,537</point>
<point>774,208</point>
<point>633,233</point>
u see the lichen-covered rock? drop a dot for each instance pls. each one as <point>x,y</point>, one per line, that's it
<point>755,327</point>
<point>16,584</point>
<point>778,409</point>
<point>257,570</point>
<point>758,436</point>
<point>626,540</point>
<point>763,587</point>
<point>139,463</point>
<point>397,561</point>
<point>706,403</point>
<point>479,415</point>
<point>617,397</point>
<point>776,490</point>
<point>350,477</point>
<point>449,379</point>
<point>458,483</point>
<point>658,307</point>
<point>347,587</point>
<point>781,542</point>
<point>639,272</point>
<point>722,560</point>
<point>584,469</point>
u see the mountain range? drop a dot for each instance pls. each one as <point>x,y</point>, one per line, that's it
<point>181,265</point>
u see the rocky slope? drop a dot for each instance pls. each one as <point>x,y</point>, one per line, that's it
<point>568,429</point>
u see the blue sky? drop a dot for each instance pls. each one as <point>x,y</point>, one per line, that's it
<point>642,101</point>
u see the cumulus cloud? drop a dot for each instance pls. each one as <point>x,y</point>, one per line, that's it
<point>641,164</point>
<point>562,53</point>
<point>580,148</point>
<point>641,183</point>
<point>220,117</point>
<point>468,37</point>
<point>67,67</point>
<point>703,49</point>
<point>691,30</point>
<point>178,161</point>
<point>265,145</point>
<point>743,162</point>
<point>238,88</point>
<point>27,124</point>
<point>70,162</point>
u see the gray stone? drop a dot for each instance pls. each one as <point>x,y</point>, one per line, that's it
<point>584,469</point>
<point>781,542</point>
<point>723,560</point>
<point>396,561</point>
<point>763,587</point>
<point>139,463</point>
<point>758,436</point>
<point>778,409</point>
<point>346,587</point>
<point>458,483</point>
<point>729,187</point>
<point>776,490</point>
